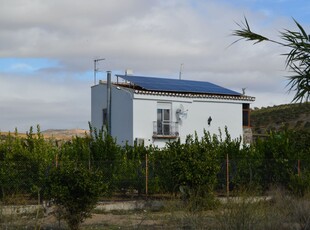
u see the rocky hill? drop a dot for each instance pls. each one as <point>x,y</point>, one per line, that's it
<point>294,116</point>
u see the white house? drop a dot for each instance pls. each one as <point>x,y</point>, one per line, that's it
<point>156,110</point>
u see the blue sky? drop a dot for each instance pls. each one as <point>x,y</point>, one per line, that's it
<point>298,9</point>
<point>25,65</point>
<point>47,50</point>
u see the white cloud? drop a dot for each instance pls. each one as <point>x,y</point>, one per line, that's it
<point>27,101</point>
<point>151,37</point>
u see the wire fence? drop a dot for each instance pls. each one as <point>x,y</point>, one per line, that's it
<point>25,181</point>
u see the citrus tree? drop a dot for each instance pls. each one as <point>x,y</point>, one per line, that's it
<point>75,190</point>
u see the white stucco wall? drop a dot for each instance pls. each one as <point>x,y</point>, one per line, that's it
<point>122,115</point>
<point>133,115</point>
<point>121,111</point>
<point>143,116</point>
<point>98,102</point>
<point>223,113</point>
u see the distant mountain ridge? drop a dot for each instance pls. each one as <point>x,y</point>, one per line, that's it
<point>293,116</point>
<point>64,133</point>
<point>59,134</point>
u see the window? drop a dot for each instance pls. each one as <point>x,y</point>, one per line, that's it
<point>246,115</point>
<point>164,127</point>
<point>163,121</point>
<point>104,117</point>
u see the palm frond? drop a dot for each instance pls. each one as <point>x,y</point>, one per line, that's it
<point>306,37</point>
<point>300,83</point>
<point>297,59</point>
<point>245,33</point>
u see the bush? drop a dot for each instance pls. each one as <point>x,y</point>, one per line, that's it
<point>244,211</point>
<point>191,168</point>
<point>105,156</point>
<point>75,190</point>
<point>130,173</point>
<point>24,162</point>
<point>300,184</point>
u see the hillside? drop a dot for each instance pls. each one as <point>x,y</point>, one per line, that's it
<point>59,134</point>
<point>293,116</point>
<point>64,134</point>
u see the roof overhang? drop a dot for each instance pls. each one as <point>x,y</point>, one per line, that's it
<point>196,96</point>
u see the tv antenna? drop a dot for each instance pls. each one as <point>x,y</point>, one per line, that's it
<point>180,73</point>
<point>96,69</point>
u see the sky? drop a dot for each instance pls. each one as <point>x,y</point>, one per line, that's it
<point>47,51</point>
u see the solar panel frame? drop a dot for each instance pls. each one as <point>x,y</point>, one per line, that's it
<point>176,85</point>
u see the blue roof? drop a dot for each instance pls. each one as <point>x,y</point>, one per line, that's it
<point>176,85</point>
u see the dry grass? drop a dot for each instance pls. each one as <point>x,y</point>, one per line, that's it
<point>281,212</point>
<point>65,134</point>
<point>57,134</point>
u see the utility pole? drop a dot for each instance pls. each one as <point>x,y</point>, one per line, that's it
<point>96,69</point>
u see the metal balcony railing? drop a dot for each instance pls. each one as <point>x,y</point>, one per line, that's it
<point>165,129</point>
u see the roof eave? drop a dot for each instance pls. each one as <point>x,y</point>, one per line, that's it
<point>196,95</point>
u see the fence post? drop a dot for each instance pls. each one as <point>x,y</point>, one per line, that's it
<point>56,160</point>
<point>298,167</point>
<point>227,175</point>
<point>89,162</point>
<point>146,175</point>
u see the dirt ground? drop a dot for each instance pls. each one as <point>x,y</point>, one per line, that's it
<point>113,220</point>
<point>97,221</point>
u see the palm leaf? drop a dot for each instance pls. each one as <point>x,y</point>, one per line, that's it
<point>297,59</point>
<point>245,33</point>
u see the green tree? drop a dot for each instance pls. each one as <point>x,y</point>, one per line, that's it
<point>277,164</point>
<point>24,162</point>
<point>297,60</point>
<point>105,156</point>
<point>190,168</point>
<point>75,190</point>
<point>131,171</point>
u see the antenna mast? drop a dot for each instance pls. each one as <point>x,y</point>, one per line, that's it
<point>96,69</point>
<point>180,73</point>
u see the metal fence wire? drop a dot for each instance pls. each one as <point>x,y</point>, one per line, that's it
<point>27,179</point>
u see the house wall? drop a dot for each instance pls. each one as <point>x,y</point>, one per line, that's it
<point>223,113</point>
<point>98,102</point>
<point>121,110</point>
<point>145,112</point>
<point>133,115</point>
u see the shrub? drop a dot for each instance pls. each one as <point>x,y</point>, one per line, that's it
<point>300,184</point>
<point>105,156</point>
<point>75,190</point>
<point>243,213</point>
<point>24,162</point>
<point>191,167</point>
